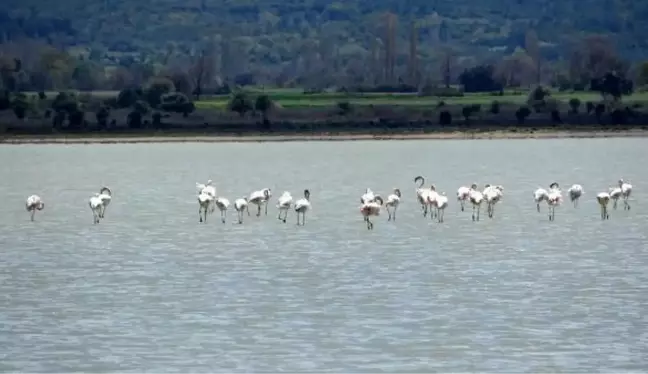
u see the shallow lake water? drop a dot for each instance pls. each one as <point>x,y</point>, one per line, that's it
<point>151,289</point>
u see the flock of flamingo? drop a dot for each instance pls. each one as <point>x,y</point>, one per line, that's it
<point>432,202</point>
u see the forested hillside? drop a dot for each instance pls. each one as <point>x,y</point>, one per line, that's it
<point>319,42</point>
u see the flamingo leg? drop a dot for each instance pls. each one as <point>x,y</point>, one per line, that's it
<point>394,214</point>
<point>33,212</point>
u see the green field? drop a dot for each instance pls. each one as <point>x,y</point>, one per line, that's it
<point>297,99</point>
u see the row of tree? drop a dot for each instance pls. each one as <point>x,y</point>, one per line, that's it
<point>30,65</point>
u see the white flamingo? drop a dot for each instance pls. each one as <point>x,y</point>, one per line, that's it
<point>423,195</point>
<point>96,205</point>
<point>626,191</point>
<point>302,206</point>
<point>209,189</point>
<point>539,196</point>
<point>463,195</point>
<point>367,197</point>
<point>575,192</point>
<point>440,203</point>
<point>371,209</point>
<point>553,200</point>
<point>603,199</point>
<point>34,203</point>
<point>615,195</point>
<point>393,201</point>
<point>205,203</point>
<point>222,204</point>
<point>240,205</point>
<point>476,199</point>
<point>284,203</point>
<point>259,198</point>
<point>492,195</point>
<point>105,194</point>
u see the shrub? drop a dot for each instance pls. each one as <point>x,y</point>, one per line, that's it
<point>599,109</point>
<point>141,106</point>
<point>522,113</point>
<point>76,118</point>
<point>102,116</point>
<point>240,103</point>
<point>5,100</point>
<point>619,117</point>
<point>155,88</point>
<point>445,118</point>
<point>134,120</point>
<point>128,97</point>
<point>495,107</point>
<point>65,101</point>
<point>574,104</point>
<point>589,106</point>
<point>555,116</point>
<point>344,107</point>
<point>157,120</point>
<point>20,105</point>
<point>42,96</point>
<point>177,102</point>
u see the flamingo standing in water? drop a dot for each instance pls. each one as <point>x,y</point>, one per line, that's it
<point>393,201</point>
<point>371,209</point>
<point>34,203</point>
<point>302,206</point>
<point>575,192</point>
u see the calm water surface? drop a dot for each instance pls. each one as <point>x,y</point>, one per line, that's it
<point>151,289</point>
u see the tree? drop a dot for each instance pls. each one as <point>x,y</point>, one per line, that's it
<point>390,46</point>
<point>642,74</point>
<point>532,46</point>
<point>612,85</point>
<point>516,69</point>
<point>413,57</point>
<point>202,71</point>
<point>263,104</point>
<point>240,103</point>
<point>447,63</point>
<point>479,79</point>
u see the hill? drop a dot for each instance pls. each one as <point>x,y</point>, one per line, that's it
<point>271,39</point>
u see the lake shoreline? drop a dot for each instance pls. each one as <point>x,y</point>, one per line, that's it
<point>187,137</point>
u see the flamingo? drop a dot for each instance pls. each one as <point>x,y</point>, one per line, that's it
<point>476,199</point>
<point>422,194</point>
<point>33,204</point>
<point>492,195</point>
<point>626,191</point>
<point>603,199</point>
<point>302,206</point>
<point>105,194</point>
<point>367,197</point>
<point>285,201</point>
<point>440,203</point>
<point>371,209</point>
<point>96,205</point>
<point>539,196</point>
<point>393,201</point>
<point>575,192</point>
<point>207,188</point>
<point>222,204</point>
<point>615,194</point>
<point>205,202</point>
<point>240,205</point>
<point>259,198</point>
<point>463,195</point>
<point>553,200</point>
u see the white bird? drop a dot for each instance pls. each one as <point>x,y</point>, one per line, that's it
<point>603,199</point>
<point>367,197</point>
<point>96,205</point>
<point>284,203</point>
<point>393,201</point>
<point>106,197</point>
<point>553,200</point>
<point>222,204</point>
<point>260,197</point>
<point>575,192</point>
<point>422,194</point>
<point>240,205</point>
<point>615,195</point>
<point>539,196</point>
<point>440,203</point>
<point>371,209</point>
<point>463,195</point>
<point>302,206</point>
<point>205,202</point>
<point>492,195</point>
<point>626,191</point>
<point>476,199</point>
<point>207,188</point>
<point>33,204</point>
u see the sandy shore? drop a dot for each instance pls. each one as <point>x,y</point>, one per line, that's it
<point>107,138</point>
